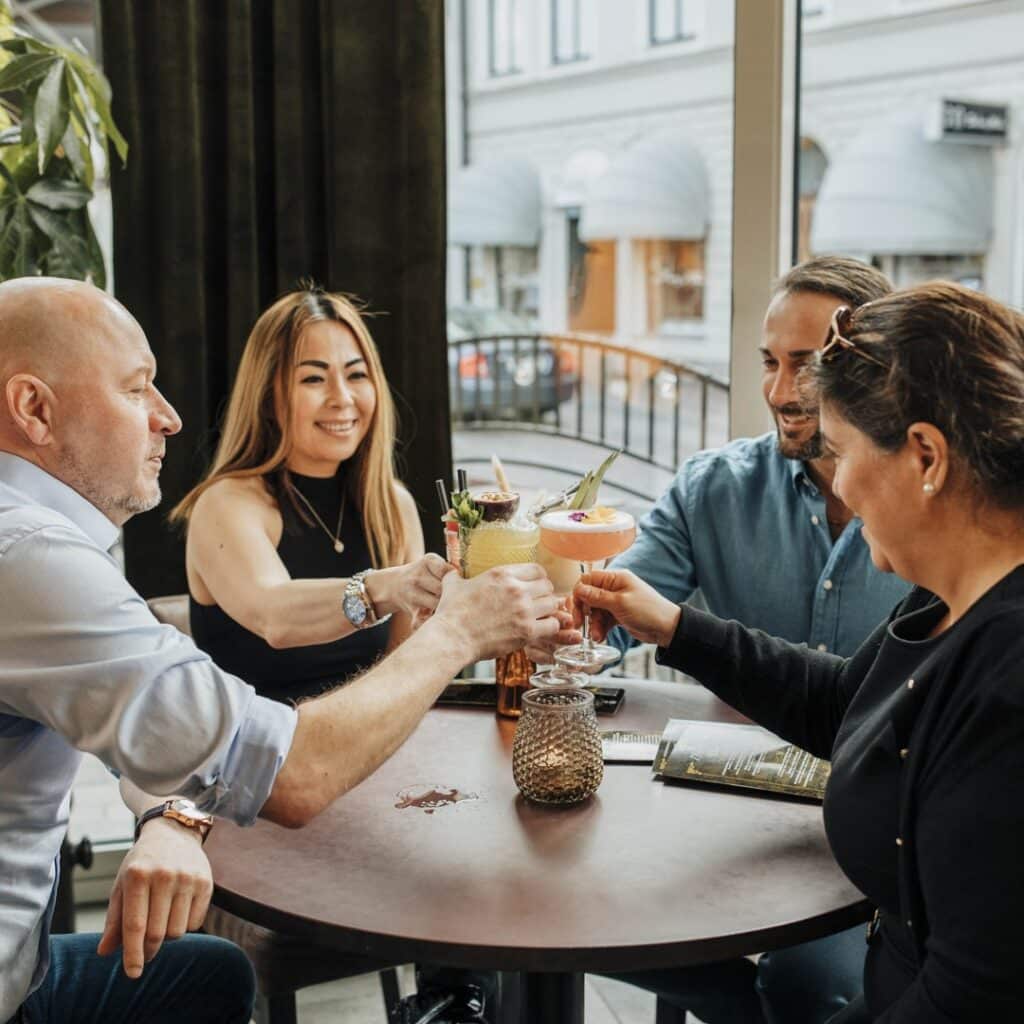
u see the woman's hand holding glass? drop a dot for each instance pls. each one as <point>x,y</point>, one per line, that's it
<point>618,597</point>
<point>413,589</point>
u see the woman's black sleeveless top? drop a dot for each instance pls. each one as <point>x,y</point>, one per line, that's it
<point>307,553</point>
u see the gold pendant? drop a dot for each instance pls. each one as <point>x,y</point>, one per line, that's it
<point>339,546</point>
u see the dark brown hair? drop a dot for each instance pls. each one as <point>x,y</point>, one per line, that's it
<point>847,279</point>
<point>954,358</point>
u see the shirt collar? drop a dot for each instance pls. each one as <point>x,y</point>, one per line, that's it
<point>46,490</point>
<point>800,477</point>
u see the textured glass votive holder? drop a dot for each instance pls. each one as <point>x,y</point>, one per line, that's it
<point>556,753</point>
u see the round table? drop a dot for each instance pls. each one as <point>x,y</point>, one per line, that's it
<point>644,874</point>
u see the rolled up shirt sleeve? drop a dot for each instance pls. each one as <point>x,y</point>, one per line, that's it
<point>83,655</point>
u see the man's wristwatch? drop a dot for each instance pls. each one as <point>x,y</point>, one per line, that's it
<point>356,603</point>
<point>184,812</point>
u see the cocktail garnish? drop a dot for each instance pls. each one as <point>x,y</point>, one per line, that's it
<point>465,511</point>
<point>578,517</point>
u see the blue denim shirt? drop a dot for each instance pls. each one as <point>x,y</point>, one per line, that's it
<point>84,666</point>
<point>744,528</point>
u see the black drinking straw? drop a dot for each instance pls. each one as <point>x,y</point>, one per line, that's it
<point>442,495</point>
<point>463,480</point>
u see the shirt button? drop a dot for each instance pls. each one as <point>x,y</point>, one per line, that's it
<point>910,684</point>
<point>827,584</point>
<point>910,924</point>
<point>899,841</point>
<point>903,753</point>
<point>822,647</point>
<point>815,520</point>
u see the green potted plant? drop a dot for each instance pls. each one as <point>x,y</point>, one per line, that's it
<point>54,121</point>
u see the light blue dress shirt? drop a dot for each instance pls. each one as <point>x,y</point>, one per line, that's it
<point>84,666</point>
<point>744,529</point>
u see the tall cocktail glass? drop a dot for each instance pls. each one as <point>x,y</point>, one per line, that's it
<point>482,548</point>
<point>588,537</point>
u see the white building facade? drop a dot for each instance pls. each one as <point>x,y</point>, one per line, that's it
<point>590,146</point>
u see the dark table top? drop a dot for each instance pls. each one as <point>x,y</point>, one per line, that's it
<point>644,874</point>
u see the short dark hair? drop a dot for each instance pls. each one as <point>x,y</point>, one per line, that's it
<point>950,356</point>
<point>848,279</point>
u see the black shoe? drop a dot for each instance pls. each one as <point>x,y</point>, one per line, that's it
<point>461,1005</point>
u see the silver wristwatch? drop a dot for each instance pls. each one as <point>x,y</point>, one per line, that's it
<point>356,603</point>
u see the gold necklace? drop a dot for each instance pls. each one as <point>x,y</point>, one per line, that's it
<point>335,537</point>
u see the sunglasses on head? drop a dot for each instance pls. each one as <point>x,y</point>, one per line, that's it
<point>836,340</point>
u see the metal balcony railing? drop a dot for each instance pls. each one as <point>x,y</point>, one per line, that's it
<point>585,389</point>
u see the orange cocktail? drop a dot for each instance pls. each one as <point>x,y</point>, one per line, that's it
<point>587,536</point>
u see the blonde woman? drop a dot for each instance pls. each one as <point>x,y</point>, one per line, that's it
<point>305,555</point>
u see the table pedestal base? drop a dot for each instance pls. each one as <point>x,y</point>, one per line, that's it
<point>552,999</point>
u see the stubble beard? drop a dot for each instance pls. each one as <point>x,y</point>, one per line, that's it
<point>806,450</point>
<point>118,508</point>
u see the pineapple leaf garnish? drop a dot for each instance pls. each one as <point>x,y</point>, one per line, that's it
<point>586,495</point>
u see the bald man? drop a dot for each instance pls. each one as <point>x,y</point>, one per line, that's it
<point>84,666</point>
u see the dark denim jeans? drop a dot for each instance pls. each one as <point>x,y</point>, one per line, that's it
<point>197,978</point>
<point>804,984</point>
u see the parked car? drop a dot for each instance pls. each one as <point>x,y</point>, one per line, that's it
<point>508,373</point>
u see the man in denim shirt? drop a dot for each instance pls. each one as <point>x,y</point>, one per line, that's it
<point>756,531</point>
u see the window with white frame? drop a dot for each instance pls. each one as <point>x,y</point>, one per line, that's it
<point>667,22</point>
<point>569,24</point>
<point>504,38</point>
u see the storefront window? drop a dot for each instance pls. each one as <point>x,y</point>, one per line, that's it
<point>591,282</point>
<point>517,279</point>
<point>674,271</point>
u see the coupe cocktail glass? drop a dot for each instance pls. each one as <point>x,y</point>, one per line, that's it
<point>587,537</point>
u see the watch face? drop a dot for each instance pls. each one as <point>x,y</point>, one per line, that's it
<point>355,610</point>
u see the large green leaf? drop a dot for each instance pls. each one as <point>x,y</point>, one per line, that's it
<point>16,238</point>
<point>73,151</point>
<point>51,113</point>
<point>98,89</point>
<point>59,194</point>
<point>11,136</point>
<point>22,71</point>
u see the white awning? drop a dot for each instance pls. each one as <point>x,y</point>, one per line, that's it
<point>891,192</point>
<point>578,175</point>
<point>655,189</point>
<point>495,203</point>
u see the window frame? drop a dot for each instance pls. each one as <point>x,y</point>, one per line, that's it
<point>681,35</point>
<point>578,54</point>
<point>515,66</point>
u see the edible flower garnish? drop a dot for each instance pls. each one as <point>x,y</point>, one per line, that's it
<point>578,517</point>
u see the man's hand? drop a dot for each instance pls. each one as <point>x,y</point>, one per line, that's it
<point>162,890</point>
<point>618,597</point>
<point>542,652</point>
<point>499,611</point>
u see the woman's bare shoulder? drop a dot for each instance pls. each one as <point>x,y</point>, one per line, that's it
<point>237,494</point>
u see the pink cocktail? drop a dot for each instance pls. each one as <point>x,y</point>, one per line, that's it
<point>587,537</point>
<point>587,541</point>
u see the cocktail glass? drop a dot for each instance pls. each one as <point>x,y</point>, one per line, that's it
<point>587,537</point>
<point>502,543</point>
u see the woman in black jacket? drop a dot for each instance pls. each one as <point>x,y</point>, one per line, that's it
<point>922,404</point>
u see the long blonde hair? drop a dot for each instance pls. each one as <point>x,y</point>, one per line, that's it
<point>256,440</point>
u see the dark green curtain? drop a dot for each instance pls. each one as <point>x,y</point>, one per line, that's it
<point>273,140</point>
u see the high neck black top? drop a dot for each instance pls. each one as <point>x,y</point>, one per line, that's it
<point>307,553</point>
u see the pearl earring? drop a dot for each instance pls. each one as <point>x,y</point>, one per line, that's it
<point>929,488</point>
